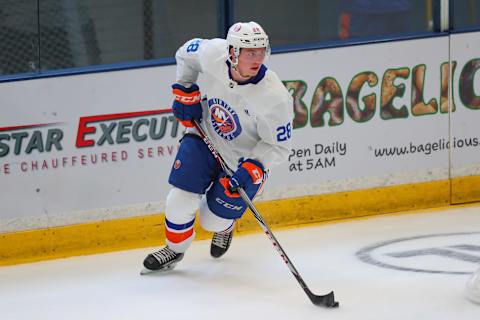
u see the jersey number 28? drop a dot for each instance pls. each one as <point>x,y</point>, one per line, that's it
<point>284,132</point>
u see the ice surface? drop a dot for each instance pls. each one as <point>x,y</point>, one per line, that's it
<point>252,282</point>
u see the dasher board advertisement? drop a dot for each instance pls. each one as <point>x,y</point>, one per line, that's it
<point>465,55</point>
<point>100,146</point>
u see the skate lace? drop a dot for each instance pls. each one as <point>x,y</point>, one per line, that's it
<point>164,255</point>
<point>221,239</point>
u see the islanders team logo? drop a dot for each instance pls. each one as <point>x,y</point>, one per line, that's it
<point>224,119</point>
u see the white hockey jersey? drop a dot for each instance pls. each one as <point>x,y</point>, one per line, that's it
<point>250,120</point>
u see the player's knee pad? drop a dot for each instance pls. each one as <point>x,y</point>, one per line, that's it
<point>228,207</point>
<point>179,218</point>
<point>210,221</point>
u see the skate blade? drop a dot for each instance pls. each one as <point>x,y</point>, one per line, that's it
<point>146,271</point>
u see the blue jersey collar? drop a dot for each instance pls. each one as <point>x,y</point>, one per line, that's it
<point>260,75</point>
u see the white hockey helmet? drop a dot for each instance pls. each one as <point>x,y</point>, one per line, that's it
<point>246,35</point>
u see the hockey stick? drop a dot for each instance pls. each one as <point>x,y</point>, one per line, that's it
<point>327,300</point>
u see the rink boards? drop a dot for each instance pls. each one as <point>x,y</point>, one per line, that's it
<point>84,159</point>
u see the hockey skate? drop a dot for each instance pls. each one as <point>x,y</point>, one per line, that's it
<point>163,260</point>
<point>220,243</point>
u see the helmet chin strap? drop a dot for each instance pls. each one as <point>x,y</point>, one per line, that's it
<point>236,53</point>
<point>235,69</point>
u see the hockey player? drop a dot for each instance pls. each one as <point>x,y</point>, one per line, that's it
<point>246,111</point>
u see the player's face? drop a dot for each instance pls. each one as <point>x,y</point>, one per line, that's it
<point>250,60</point>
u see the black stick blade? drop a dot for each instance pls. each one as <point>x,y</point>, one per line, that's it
<point>327,300</point>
